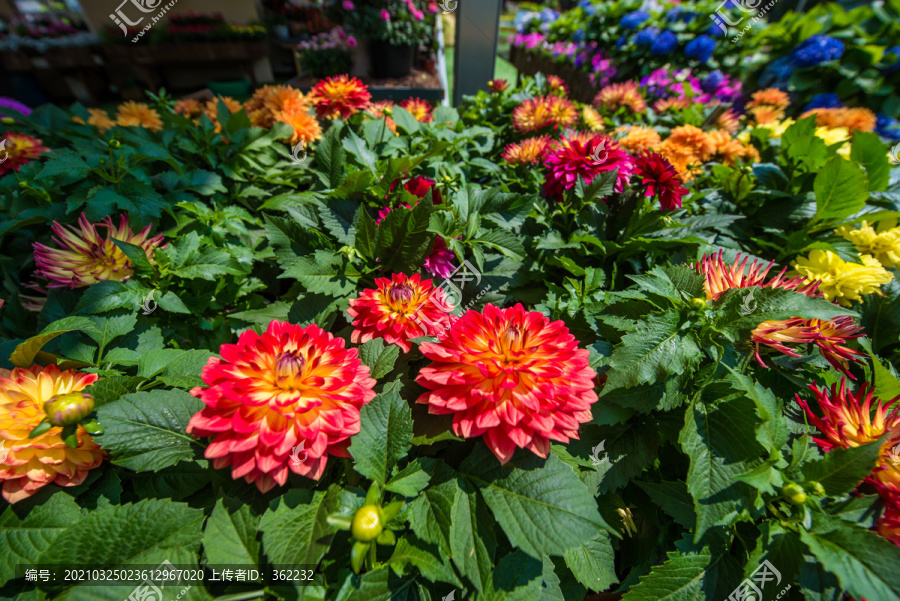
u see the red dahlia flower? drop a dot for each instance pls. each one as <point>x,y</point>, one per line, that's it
<point>399,309</point>
<point>828,336</point>
<point>339,97</point>
<point>574,158</point>
<point>888,525</point>
<point>661,179</point>
<point>18,149</point>
<point>847,421</point>
<point>511,376</point>
<point>291,392</point>
<point>419,109</point>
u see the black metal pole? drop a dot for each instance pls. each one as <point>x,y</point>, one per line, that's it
<point>477,29</point>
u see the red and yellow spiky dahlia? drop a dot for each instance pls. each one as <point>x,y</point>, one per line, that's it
<point>528,151</point>
<point>497,85</point>
<point>544,111</point>
<point>138,114</point>
<point>85,257</point>
<point>419,109</point>
<point>556,85</point>
<point>18,149</point>
<point>511,376</point>
<point>563,112</point>
<point>721,277</point>
<point>888,525</point>
<point>588,160</point>
<point>848,421</point>
<point>29,464</point>
<point>829,336</point>
<point>671,104</point>
<point>660,179</point>
<point>399,309</point>
<point>615,96</point>
<point>339,97</point>
<point>281,402</point>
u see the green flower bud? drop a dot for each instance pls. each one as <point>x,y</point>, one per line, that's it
<point>698,303</point>
<point>794,493</point>
<point>68,409</point>
<point>367,523</point>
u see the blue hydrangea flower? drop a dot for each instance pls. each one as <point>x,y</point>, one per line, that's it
<point>895,50</point>
<point>578,36</point>
<point>674,14</point>
<point>645,37</point>
<point>632,20</point>
<point>621,41</point>
<point>817,50</point>
<point>778,74</point>
<point>664,43</point>
<point>712,81</point>
<point>828,100</point>
<point>887,127</point>
<point>700,48</point>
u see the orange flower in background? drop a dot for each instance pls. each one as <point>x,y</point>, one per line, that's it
<point>729,121</point>
<point>671,104</point>
<point>848,421</point>
<point>19,149</point>
<point>528,151</point>
<point>281,402</point>
<point>399,309</point>
<point>854,119</point>
<point>306,128</point>
<point>770,97</point>
<point>637,138</point>
<point>556,85</point>
<point>339,97</point>
<point>189,107</point>
<point>691,136</point>
<point>615,96</point>
<point>419,109</point>
<point>563,112</point>
<point>138,114</point>
<point>511,376</point>
<point>729,150</point>
<point>682,157</point>
<point>383,108</point>
<point>721,276</point>
<point>85,257</point>
<point>531,115</point>
<point>99,119</point>
<point>29,464</point>
<point>284,98</point>
<point>766,115</point>
<point>829,337</point>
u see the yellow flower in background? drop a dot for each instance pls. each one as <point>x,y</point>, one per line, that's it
<point>99,119</point>
<point>138,114</point>
<point>883,244</point>
<point>833,135</point>
<point>841,280</point>
<point>591,118</point>
<point>777,128</point>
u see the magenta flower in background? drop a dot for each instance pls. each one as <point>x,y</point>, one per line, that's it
<point>9,103</point>
<point>432,7</point>
<point>351,41</point>
<point>385,15</point>
<point>348,5</point>
<point>419,15</point>
<point>440,262</point>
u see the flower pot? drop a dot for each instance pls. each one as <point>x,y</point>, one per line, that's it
<point>391,61</point>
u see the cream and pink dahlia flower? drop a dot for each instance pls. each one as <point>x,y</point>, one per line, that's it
<point>86,257</point>
<point>511,376</point>
<point>399,309</point>
<point>29,464</point>
<point>290,388</point>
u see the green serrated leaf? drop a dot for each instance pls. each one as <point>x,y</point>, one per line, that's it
<point>385,435</point>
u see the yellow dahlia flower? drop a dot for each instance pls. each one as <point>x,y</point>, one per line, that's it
<point>841,280</point>
<point>884,244</point>
<point>591,118</point>
<point>29,464</point>
<point>138,114</point>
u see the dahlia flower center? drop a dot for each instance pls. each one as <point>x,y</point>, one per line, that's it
<point>288,368</point>
<point>400,295</point>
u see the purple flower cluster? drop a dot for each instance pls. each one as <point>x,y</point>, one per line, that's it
<point>337,39</point>
<point>9,103</point>
<point>528,40</point>
<point>720,87</point>
<point>665,83</point>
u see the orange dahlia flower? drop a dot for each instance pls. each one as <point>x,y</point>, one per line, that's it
<point>848,421</point>
<point>291,392</point>
<point>771,97</point>
<point>19,149</point>
<point>637,138</point>
<point>339,97</point>
<point>419,109</point>
<point>671,104</point>
<point>306,128</point>
<point>29,464</point>
<point>138,114</point>
<point>729,150</point>
<point>766,115</point>
<point>99,119</point>
<point>511,376</point>
<point>615,96</point>
<point>383,109</point>
<point>682,157</point>
<point>399,309</point>
<point>693,137</point>
<point>729,121</point>
<point>854,119</point>
<point>189,107</point>
<point>829,337</point>
<point>87,258</point>
<point>528,151</point>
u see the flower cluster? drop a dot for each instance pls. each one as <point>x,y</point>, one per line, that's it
<point>544,111</point>
<point>883,243</point>
<point>840,280</point>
